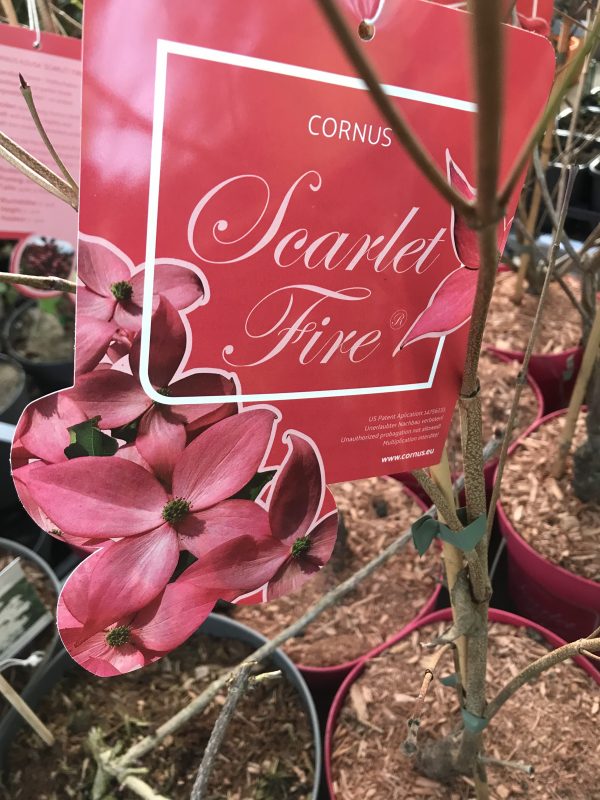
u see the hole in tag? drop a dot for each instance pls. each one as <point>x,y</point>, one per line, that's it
<point>366,31</point>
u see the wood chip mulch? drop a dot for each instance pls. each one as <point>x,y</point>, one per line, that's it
<point>545,511</point>
<point>268,753</point>
<point>551,724</point>
<point>509,326</point>
<point>381,605</point>
<point>498,379</point>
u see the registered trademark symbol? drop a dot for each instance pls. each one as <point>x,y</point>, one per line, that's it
<point>398,319</point>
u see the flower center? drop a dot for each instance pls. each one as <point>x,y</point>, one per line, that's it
<point>301,547</point>
<point>118,636</point>
<point>176,510</point>
<point>122,291</point>
<point>165,391</point>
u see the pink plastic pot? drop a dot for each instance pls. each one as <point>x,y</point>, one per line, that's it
<point>495,615</point>
<point>551,595</point>
<point>554,373</point>
<point>323,680</point>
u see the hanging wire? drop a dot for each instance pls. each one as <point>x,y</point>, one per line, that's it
<point>34,21</point>
<point>377,14</point>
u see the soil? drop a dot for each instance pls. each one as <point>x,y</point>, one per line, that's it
<point>545,511</point>
<point>552,724</point>
<point>375,512</point>
<point>509,326</point>
<point>268,752</point>
<point>11,380</point>
<point>42,337</point>
<point>498,379</point>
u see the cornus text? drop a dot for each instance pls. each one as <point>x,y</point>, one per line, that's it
<point>344,130</point>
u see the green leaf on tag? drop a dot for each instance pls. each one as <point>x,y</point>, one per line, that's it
<point>255,485</point>
<point>128,432</point>
<point>450,680</point>
<point>424,531</point>
<point>473,723</point>
<point>88,440</point>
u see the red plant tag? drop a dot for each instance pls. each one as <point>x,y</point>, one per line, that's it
<point>272,298</point>
<point>45,227</point>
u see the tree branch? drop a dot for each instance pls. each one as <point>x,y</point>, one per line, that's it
<point>9,11</point>
<point>401,129</point>
<point>534,670</point>
<point>39,282</point>
<point>409,746</point>
<point>36,171</point>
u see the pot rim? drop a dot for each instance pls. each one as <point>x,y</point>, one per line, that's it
<point>8,359</point>
<point>13,353</point>
<point>495,615</point>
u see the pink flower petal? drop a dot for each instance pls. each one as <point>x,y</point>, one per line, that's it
<point>173,617</point>
<point>323,538</point>
<point>114,396</point>
<point>179,285</point>
<point>98,267</point>
<point>298,492</point>
<point>238,566</point>
<point>291,577</point>
<point>449,308</point>
<point>203,384</point>
<point>92,339</point>
<point>99,497</point>
<point>363,9</point>
<point>97,306</point>
<point>167,345</point>
<point>161,440</point>
<point>464,238</point>
<point>129,574</point>
<point>129,315</point>
<point>43,427</point>
<point>223,459</point>
<point>203,531</point>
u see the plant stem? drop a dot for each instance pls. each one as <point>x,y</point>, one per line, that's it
<point>590,357</point>
<point>236,692</point>
<point>9,11</point>
<point>39,282</point>
<point>535,669</point>
<point>521,380</point>
<point>400,127</point>
<point>36,171</point>
<point>28,97</point>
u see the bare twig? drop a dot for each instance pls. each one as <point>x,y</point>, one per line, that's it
<point>9,11</point>
<point>409,745</point>
<point>60,13</point>
<point>590,356</point>
<point>518,765</point>
<point>237,690</point>
<point>400,127</point>
<point>535,669</point>
<point>28,97</point>
<point>521,380</point>
<point>39,282</point>
<point>36,171</point>
<point>560,88</point>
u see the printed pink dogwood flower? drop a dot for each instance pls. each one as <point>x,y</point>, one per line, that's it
<point>299,544</point>
<point>118,398</point>
<point>137,633</point>
<point>110,298</point>
<point>451,304</point>
<point>117,498</point>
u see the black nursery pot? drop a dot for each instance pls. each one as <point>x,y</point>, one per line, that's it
<point>50,376</point>
<point>12,404</point>
<point>216,626</point>
<point>588,149</point>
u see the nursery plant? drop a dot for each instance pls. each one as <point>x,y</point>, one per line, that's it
<point>209,520</point>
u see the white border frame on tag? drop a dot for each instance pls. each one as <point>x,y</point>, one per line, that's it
<point>166,48</point>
